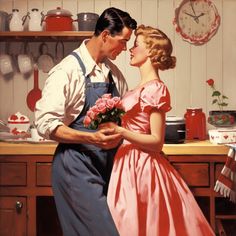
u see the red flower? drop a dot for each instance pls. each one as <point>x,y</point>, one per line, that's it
<point>210,82</point>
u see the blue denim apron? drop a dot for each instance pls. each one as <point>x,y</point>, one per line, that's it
<point>81,173</point>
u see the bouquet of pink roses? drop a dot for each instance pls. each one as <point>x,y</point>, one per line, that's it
<point>106,109</point>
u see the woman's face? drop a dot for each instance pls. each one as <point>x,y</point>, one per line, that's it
<point>139,53</point>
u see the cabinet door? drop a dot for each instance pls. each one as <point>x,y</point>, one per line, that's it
<point>12,216</point>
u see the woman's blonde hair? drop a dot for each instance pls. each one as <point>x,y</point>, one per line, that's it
<point>160,47</point>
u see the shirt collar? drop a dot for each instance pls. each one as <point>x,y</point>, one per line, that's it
<point>89,63</point>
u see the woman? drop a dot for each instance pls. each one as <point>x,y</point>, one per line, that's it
<point>146,194</point>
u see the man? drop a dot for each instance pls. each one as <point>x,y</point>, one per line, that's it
<point>81,165</point>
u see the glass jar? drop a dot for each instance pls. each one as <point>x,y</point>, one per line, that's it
<point>195,124</point>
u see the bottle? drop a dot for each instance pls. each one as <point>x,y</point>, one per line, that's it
<point>16,23</point>
<point>195,124</point>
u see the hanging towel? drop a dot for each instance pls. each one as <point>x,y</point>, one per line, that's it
<point>226,182</point>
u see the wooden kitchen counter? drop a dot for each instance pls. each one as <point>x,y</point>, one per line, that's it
<point>187,148</point>
<point>25,183</point>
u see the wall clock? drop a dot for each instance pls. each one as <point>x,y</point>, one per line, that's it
<point>197,21</point>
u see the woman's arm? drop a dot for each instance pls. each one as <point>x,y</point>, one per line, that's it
<point>149,142</point>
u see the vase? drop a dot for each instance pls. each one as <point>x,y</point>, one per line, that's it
<point>219,118</point>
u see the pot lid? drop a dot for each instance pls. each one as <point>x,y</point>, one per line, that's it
<point>59,12</point>
<point>3,13</point>
<point>175,119</point>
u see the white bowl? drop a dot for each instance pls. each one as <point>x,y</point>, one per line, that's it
<point>18,123</point>
<point>18,128</point>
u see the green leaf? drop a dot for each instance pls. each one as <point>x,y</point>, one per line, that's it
<point>223,104</point>
<point>224,97</point>
<point>216,93</point>
<point>214,101</point>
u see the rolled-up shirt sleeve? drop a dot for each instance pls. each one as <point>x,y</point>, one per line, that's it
<point>62,101</point>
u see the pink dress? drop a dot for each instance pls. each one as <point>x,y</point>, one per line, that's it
<point>147,196</point>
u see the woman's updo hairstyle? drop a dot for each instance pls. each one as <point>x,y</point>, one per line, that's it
<point>160,47</point>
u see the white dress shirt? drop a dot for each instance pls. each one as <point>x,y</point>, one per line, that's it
<point>63,95</point>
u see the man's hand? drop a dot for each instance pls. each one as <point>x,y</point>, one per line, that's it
<point>106,138</point>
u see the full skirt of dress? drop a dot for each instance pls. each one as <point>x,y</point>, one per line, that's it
<point>147,197</point>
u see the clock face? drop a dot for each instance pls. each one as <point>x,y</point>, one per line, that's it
<point>197,20</point>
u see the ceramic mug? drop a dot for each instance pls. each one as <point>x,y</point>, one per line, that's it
<point>25,63</point>
<point>6,64</point>
<point>34,135</point>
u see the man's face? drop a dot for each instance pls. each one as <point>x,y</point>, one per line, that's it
<point>118,43</point>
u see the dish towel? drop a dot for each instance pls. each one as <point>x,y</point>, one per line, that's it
<point>226,182</point>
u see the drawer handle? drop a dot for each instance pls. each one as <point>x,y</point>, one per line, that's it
<point>19,206</point>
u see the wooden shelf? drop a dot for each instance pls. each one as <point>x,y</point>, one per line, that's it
<point>38,36</point>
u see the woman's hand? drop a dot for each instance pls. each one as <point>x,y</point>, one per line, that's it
<point>106,137</point>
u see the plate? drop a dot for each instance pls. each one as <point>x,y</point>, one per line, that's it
<point>8,135</point>
<point>30,140</point>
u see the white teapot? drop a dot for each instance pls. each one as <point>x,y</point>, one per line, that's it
<point>16,23</point>
<point>35,20</point>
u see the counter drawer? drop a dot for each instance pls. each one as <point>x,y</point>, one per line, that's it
<point>13,174</point>
<point>43,174</point>
<point>193,174</point>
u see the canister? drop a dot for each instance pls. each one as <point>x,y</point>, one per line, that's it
<point>195,124</point>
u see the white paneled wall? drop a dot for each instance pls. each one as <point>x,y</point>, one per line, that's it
<point>187,82</point>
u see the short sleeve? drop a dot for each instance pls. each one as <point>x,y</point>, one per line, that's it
<point>155,95</point>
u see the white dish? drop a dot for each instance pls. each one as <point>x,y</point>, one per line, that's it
<point>8,137</point>
<point>222,136</point>
<point>30,140</point>
<point>14,140</point>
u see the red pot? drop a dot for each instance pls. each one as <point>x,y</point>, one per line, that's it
<point>58,20</point>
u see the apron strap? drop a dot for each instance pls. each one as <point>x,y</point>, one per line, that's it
<point>80,61</point>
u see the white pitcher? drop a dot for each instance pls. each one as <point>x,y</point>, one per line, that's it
<point>16,23</point>
<point>35,22</point>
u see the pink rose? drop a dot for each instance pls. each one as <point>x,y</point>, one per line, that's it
<point>107,95</point>
<point>95,110</point>
<point>100,100</point>
<point>117,102</point>
<point>110,103</point>
<point>101,107</point>
<point>87,121</point>
<point>91,114</point>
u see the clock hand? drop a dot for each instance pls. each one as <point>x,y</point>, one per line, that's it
<point>191,4</point>
<point>194,17</point>
<point>202,14</point>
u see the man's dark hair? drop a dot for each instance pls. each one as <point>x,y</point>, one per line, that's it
<point>114,20</point>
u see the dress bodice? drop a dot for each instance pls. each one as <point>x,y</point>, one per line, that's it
<point>139,102</point>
